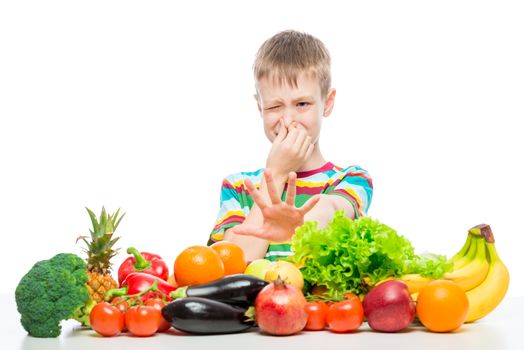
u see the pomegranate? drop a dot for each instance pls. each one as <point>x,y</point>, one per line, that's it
<point>280,309</point>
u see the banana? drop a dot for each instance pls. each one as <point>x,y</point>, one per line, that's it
<point>464,256</point>
<point>471,264</point>
<point>485,298</point>
<point>415,282</point>
<point>467,252</point>
<point>462,252</point>
<point>475,270</point>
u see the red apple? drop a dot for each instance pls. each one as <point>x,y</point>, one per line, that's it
<point>388,307</point>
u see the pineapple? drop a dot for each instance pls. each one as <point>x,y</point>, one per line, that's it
<point>99,253</point>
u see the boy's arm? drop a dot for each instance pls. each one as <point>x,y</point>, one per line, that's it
<point>326,207</point>
<point>281,218</point>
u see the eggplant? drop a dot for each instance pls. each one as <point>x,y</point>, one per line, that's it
<point>205,316</point>
<point>238,290</point>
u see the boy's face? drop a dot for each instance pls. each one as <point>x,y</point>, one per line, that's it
<point>303,104</point>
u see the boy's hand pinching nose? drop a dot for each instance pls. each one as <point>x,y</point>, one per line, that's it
<point>291,148</point>
<point>281,218</point>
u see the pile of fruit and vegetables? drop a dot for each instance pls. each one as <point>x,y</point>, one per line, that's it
<point>350,272</point>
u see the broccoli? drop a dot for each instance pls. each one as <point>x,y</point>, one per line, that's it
<point>52,291</point>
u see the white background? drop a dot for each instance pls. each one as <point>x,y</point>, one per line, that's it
<point>148,105</point>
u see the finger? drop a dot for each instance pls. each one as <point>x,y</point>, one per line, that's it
<point>292,134</point>
<point>309,204</point>
<point>291,189</point>
<point>271,188</point>
<point>309,151</point>
<point>301,137</point>
<point>305,146</point>
<point>255,194</point>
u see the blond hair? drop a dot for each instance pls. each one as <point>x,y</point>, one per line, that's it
<point>287,54</point>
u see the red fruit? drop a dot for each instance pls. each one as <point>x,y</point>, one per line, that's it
<point>280,309</point>
<point>316,315</point>
<point>142,321</point>
<point>159,304</point>
<point>106,319</point>
<point>388,307</point>
<point>122,306</point>
<point>345,316</point>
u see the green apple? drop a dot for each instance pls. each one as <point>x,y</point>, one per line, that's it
<point>258,268</point>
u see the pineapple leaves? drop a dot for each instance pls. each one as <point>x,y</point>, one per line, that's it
<point>93,221</point>
<point>115,225</point>
<point>99,247</point>
<point>105,224</point>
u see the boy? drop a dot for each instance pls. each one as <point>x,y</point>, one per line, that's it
<point>293,94</point>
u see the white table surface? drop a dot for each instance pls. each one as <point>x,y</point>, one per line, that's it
<point>502,329</point>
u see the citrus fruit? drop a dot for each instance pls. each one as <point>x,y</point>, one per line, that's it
<point>197,265</point>
<point>231,255</point>
<point>442,306</point>
<point>258,268</point>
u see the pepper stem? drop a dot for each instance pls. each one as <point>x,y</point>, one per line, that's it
<point>141,263</point>
<point>179,293</point>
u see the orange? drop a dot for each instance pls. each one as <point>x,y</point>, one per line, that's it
<point>232,256</point>
<point>442,306</point>
<point>197,265</point>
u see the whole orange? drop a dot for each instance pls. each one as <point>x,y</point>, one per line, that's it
<point>442,306</point>
<point>197,265</point>
<point>231,255</point>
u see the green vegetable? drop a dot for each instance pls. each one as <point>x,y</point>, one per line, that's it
<point>52,291</point>
<point>353,255</point>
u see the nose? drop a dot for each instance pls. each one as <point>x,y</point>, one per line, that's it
<point>288,117</point>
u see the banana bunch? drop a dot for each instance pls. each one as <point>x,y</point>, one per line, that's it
<point>477,269</point>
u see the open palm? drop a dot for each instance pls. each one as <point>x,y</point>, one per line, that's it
<point>281,218</point>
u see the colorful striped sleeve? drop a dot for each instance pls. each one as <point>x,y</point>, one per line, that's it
<point>354,184</point>
<point>231,212</point>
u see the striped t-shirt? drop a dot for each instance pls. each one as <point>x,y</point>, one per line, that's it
<point>352,183</point>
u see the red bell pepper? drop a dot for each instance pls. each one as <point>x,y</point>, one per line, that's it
<point>142,285</point>
<point>138,282</point>
<point>142,262</point>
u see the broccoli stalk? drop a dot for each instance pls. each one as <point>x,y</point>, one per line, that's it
<point>52,291</point>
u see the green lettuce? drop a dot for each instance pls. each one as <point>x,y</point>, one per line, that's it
<point>353,255</point>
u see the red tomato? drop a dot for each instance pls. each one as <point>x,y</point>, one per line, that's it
<point>345,316</point>
<point>122,306</point>
<point>106,319</point>
<point>316,315</point>
<point>159,304</point>
<point>142,321</point>
<point>351,296</point>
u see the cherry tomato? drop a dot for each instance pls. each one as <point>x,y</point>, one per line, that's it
<point>351,296</point>
<point>106,319</point>
<point>122,306</point>
<point>345,316</point>
<point>316,315</point>
<point>142,321</point>
<point>159,304</point>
